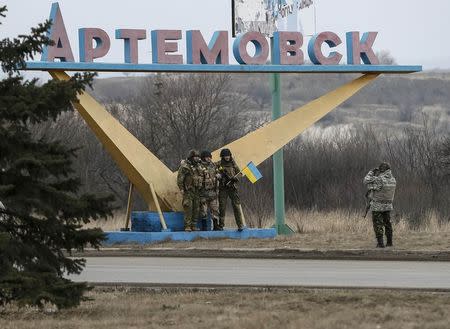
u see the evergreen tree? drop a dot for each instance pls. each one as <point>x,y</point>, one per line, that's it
<point>43,214</point>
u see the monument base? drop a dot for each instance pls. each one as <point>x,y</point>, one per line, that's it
<point>146,228</point>
<point>153,237</point>
<point>148,221</point>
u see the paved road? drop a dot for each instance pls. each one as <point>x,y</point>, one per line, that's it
<point>227,271</point>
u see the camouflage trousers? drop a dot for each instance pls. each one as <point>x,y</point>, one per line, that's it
<point>211,204</point>
<point>382,224</point>
<point>231,193</point>
<point>191,204</point>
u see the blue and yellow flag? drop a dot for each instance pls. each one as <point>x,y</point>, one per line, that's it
<point>252,172</point>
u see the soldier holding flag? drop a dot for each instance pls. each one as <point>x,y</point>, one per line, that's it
<point>229,177</point>
<point>229,171</point>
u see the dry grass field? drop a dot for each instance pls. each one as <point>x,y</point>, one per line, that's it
<point>281,308</point>
<point>326,230</point>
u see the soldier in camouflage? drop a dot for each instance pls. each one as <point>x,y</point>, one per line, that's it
<point>228,188</point>
<point>209,192</point>
<point>190,180</point>
<point>382,187</point>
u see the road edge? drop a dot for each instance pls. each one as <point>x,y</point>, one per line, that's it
<point>175,287</point>
<point>272,253</point>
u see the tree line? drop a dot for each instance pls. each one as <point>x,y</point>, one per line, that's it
<point>171,114</point>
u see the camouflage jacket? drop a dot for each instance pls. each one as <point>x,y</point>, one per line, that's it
<point>210,181</point>
<point>190,176</point>
<point>382,189</point>
<point>227,170</point>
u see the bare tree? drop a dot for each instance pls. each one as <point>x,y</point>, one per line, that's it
<point>173,113</point>
<point>189,111</point>
<point>385,58</point>
<point>445,154</point>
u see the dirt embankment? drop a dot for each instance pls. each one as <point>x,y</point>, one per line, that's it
<point>412,246</point>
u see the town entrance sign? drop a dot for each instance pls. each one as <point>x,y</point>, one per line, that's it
<point>155,182</point>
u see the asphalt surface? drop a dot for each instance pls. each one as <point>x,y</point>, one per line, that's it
<point>266,272</point>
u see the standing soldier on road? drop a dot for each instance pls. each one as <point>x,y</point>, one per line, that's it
<point>228,189</point>
<point>209,192</point>
<point>383,190</point>
<point>190,180</point>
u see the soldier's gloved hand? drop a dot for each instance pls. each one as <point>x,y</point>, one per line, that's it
<point>182,192</point>
<point>219,176</point>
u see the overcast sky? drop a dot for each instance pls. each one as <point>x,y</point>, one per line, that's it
<point>413,31</point>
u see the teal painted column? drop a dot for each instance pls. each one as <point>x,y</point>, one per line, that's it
<point>278,164</point>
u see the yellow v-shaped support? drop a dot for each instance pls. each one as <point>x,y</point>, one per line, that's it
<point>140,165</point>
<point>262,143</point>
<point>143,168</point>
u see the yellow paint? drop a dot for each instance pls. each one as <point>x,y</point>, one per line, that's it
<point>158,208</point>
<point>242,215</point>
<point>143,168</point>
<point>260,144</point>
<point>140,165</point>
<point>129,206</point>
<point>247,172</point>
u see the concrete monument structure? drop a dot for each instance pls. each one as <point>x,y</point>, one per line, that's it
<point>152,179</point>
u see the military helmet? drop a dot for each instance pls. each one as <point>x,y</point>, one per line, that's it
<point>384,166</point>
<point>205,154</point>
<point>193,153</point>
<point>225,153</point>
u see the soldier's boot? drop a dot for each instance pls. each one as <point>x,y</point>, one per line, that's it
<point>221,223</point>
<point>216,226</point>
<point>237,210</point>
<point>380,242</point>
<point>204,224</point>
<point>194,226</point>
<point>241,222</point>
<point>389,239</point>
<point>187,226</point>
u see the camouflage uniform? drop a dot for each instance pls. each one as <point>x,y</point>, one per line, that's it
<point>189,180</point>
<point>382,191</point>
<point>208,195</point>
<point>228,169</point>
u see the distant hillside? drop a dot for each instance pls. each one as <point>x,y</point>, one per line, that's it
<point>393,99</point>
<point>324,165</point>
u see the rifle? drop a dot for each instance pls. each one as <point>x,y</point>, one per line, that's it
<point>376,172</point>
<point>232,178</point>
<point>228,179</point>
<point>368,199</point>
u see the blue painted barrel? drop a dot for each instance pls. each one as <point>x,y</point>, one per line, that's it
<point>148,221</point>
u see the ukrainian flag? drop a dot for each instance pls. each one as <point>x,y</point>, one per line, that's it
<point>251,172</point>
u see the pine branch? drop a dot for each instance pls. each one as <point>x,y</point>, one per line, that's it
<point>44,213</point>
<point>3,10</point>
